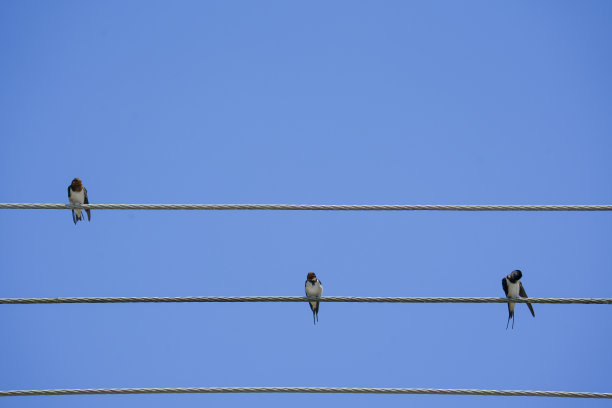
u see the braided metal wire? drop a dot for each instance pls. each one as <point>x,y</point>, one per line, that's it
<point>337,299</point>
<point>302,390</point>
<point>311,207</point>
<point>318,390</point>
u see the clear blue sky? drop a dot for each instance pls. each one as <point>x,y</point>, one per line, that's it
<point>318,102</point>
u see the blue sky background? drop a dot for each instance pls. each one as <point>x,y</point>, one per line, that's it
<point>343,102</point>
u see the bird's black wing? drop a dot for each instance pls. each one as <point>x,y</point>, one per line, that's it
<point>522,293</point>
<point>73,216</point>
<point>505,286</point>
<point>88,211</point>
<point>316,309</point>
<point>305,286</point>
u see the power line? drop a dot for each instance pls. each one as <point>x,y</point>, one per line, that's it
<point>304,390</point>
<point>336,299</point>
<point>310,207</point>
<point>318,390</point>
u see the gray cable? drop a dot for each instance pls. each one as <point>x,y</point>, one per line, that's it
<point>311,390</point>
<point>365,207</point>
<point>317,390</point>
<point>350,299</point>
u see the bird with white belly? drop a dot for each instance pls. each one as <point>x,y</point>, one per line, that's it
<point>77,194</point>
<point>514,289</point>
<point>313,290</point>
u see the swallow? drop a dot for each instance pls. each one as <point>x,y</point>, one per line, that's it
<point>514,288</point>
<point>77,194</point>
<point>313,289</point>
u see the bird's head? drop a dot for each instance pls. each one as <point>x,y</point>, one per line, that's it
<point>76,182</point>
<point>515,275</point>
<point>311,277</point>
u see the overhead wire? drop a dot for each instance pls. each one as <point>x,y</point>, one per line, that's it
<point>306,207</point>
<point>333,299</point>
<point>305,390</point>
<point>352,299</point>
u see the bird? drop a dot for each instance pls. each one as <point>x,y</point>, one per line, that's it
<point>77,194</point>
<point>313,289</point>
<point>514,288</point>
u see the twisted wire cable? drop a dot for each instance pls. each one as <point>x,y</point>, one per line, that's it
<point>337,299</point>
<point>310,207</point>
<point>303,390</point>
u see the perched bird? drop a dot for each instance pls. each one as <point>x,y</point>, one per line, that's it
<point>514,288</point>
<point>313,289</point>
<point>77,194</point>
